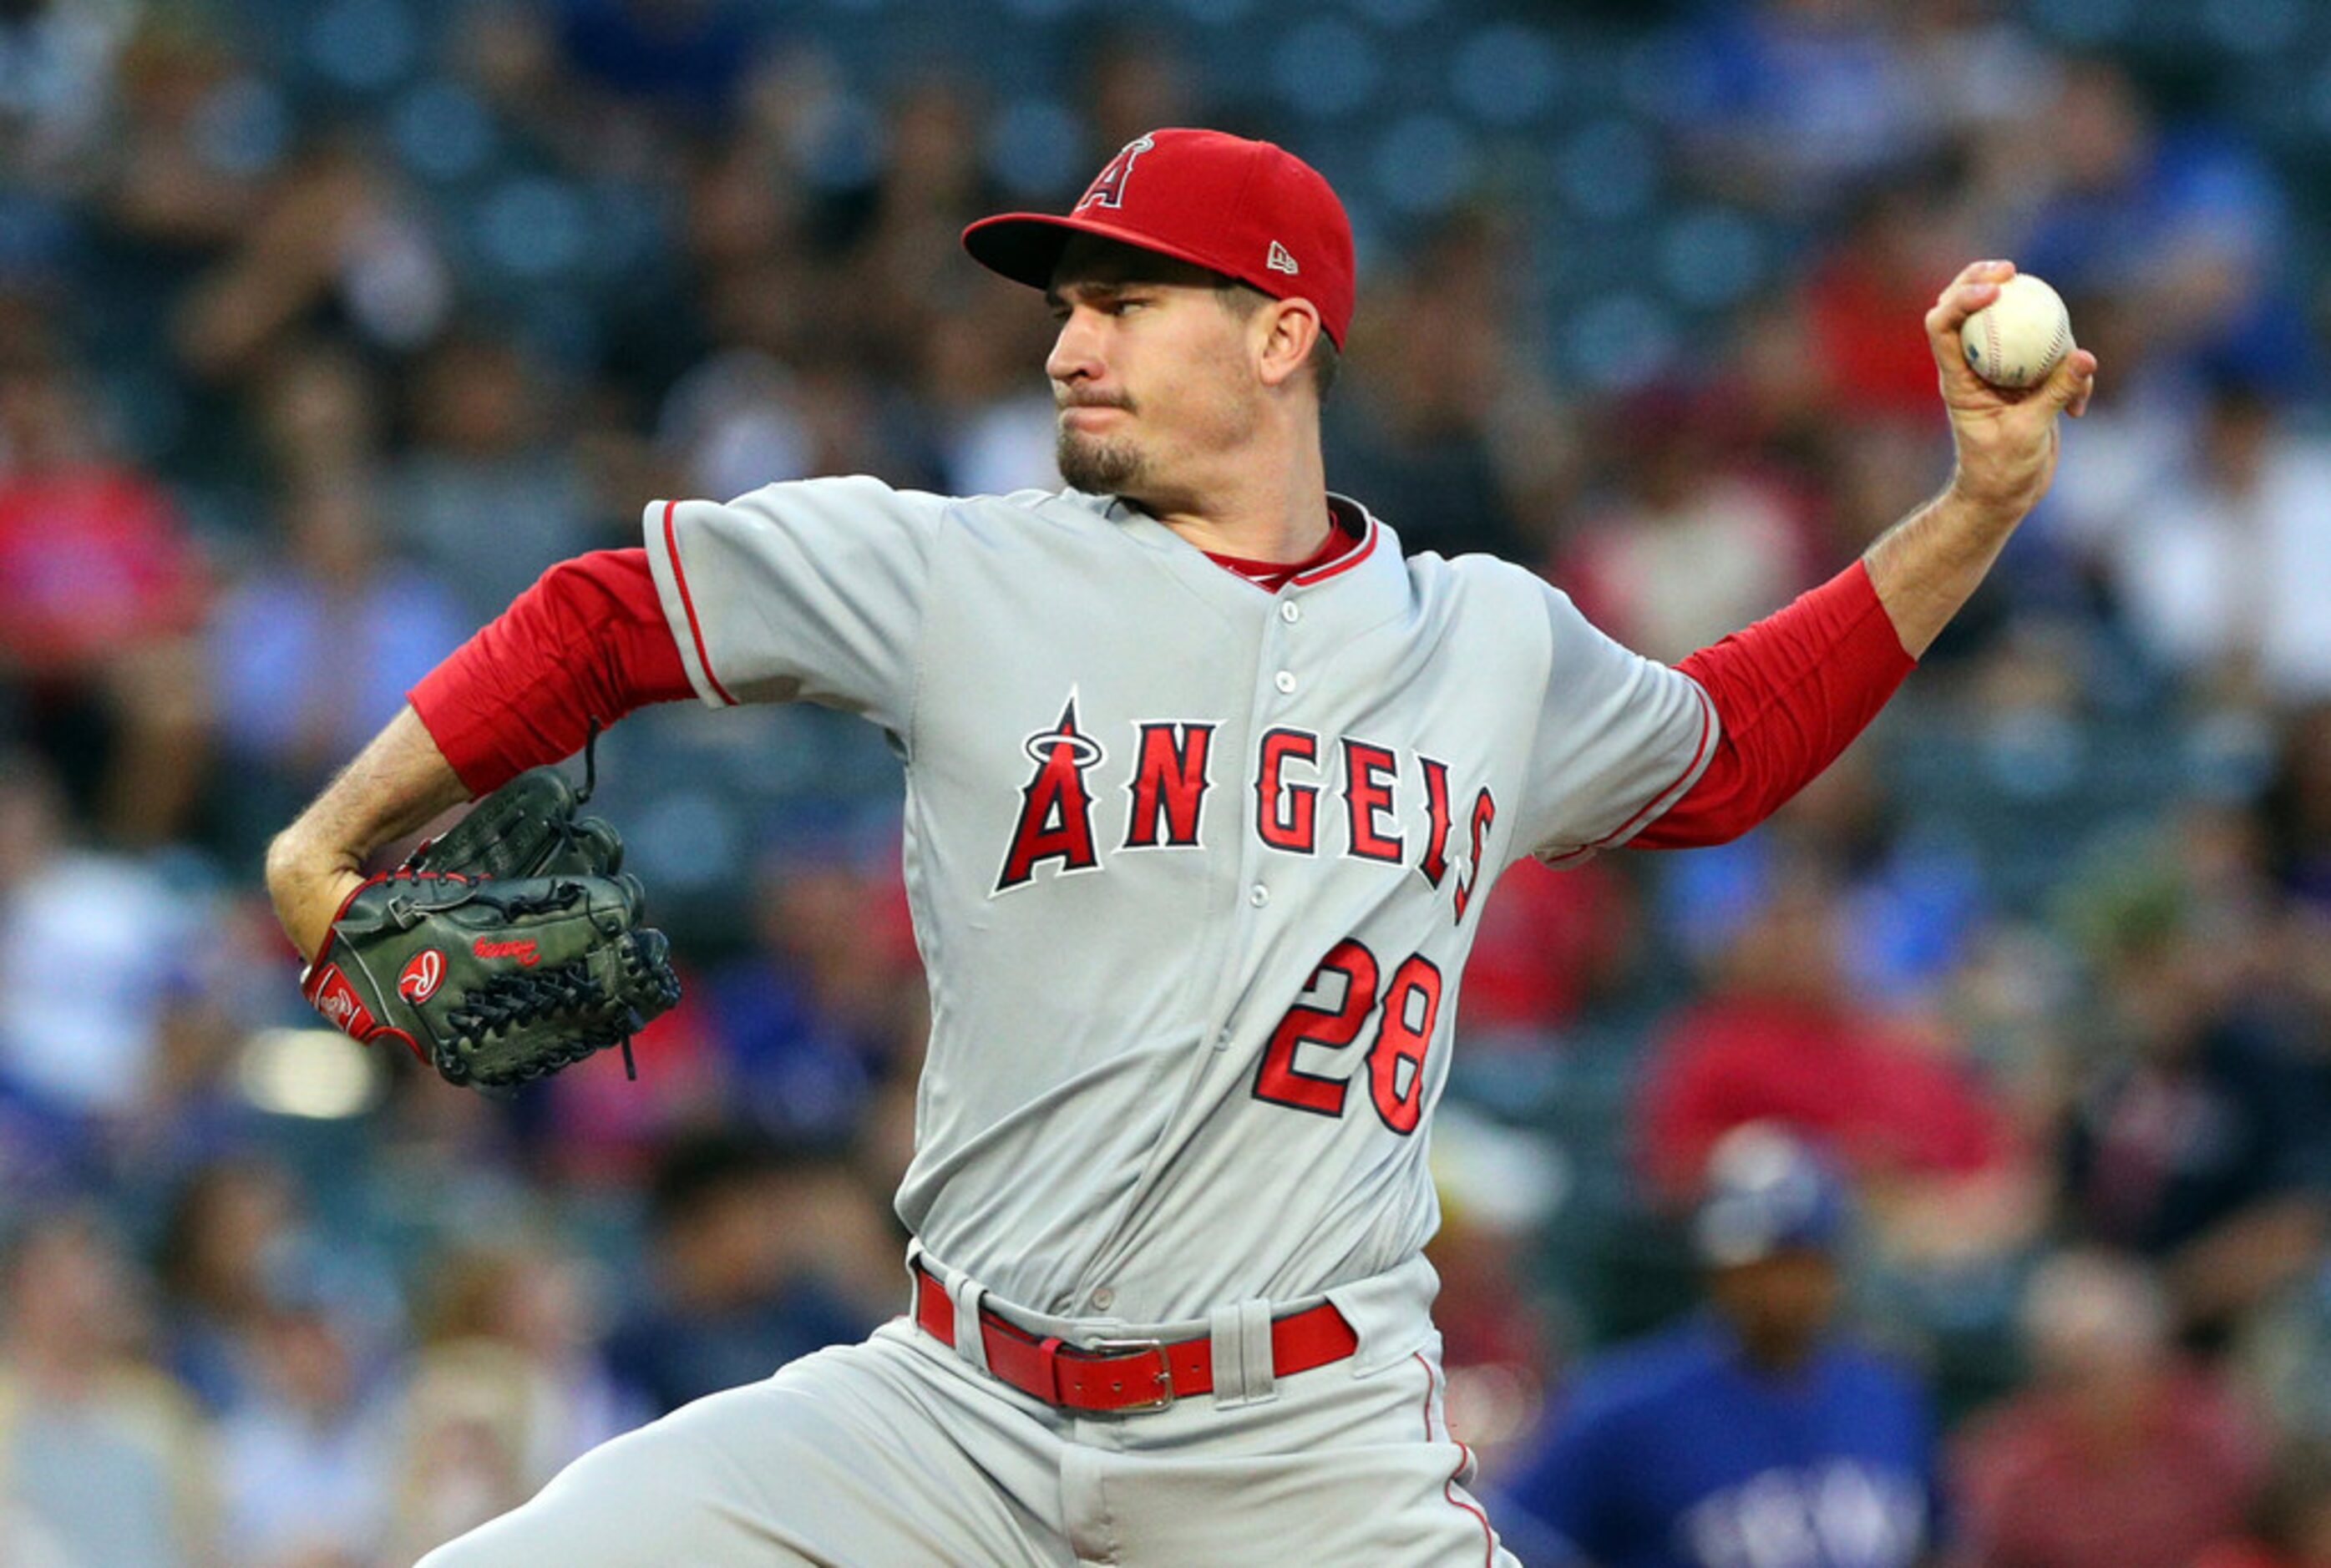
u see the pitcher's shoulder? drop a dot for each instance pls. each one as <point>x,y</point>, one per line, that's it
<point>1042,511</point>
<point>1474,580</point>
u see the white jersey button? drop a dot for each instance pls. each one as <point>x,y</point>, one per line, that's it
<point>1284,680</point>
<point>1103,1299</point>
<point>1258,895</point>
<point>1290,612</point>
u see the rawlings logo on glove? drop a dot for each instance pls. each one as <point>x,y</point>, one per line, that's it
<point>419,979</point>
<point>504,951</point>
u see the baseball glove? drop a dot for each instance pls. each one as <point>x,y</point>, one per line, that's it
<point>507,949</point>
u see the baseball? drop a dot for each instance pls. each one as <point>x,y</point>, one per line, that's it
<point>2018,338</point>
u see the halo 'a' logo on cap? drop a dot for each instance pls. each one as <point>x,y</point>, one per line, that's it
<point>1280,259</point>
<point>1108,189</point>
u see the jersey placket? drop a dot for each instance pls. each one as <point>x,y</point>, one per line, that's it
<point>1277,685</point>
<point>1302,623</point>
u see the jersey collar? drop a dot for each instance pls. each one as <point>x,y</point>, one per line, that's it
<point>1362,588</point>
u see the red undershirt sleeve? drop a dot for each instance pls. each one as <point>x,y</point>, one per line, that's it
<point>587,642</point>
<point>1791,692</point>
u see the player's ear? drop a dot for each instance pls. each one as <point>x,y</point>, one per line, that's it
<point>1284,331</point>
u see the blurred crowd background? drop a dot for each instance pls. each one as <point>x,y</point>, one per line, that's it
<point>325,325</point>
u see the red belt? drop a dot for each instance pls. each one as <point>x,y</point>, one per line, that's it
<point>1126,1375</point>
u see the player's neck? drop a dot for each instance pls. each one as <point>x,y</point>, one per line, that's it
<point>1270,511</point>
<point>1780,1355</point>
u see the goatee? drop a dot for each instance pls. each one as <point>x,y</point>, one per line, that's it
<point>1100,468</point>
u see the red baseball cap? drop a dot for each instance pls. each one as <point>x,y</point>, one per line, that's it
<point>1251,209</point>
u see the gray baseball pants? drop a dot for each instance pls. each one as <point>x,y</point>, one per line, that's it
<point>902,1453</point>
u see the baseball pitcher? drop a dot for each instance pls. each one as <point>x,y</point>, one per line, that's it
<point>1206,780</point>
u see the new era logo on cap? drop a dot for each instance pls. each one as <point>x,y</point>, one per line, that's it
<point>1246,209</point>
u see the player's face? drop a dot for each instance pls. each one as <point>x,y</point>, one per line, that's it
<point>1151,371</point>
<point>1780,1305</point>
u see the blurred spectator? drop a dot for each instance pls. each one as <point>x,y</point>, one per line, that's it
<point>1419,447</point>
<point>314,651</point>
<point>934,182</point>
<point>304,1461</point>
<point>487,496</point>
<point>227,1226</point>
<point>1864,299</point>
<point>336,240</point>
<point>100,589</point>
<point>544,1306</point>
<point>2182,219</point>
<point>1757,1432</point>
<point>468,1421</point>
<point>2295,827</point>
<point>2218,567</point>
<point>1693,545</point>
<point>831,1003</point>
<point>194,139</point>
<point>1550,946</point>
<point>1790,100</point>
<point>993,423</point>
<point>2118,1455</point>
<point>760,1254</point>
<point>686,59</point>
<point>2282,1357</point>
<point>1498,1185</point>
<point>102,1450</point>
<point>738,421</point>
<point>1987,77</point>
<point>1133,78</point>
<point>2297,811</point>
<point>1911,895</point>
<point>508,1389</point>
<point>55,95</point>
<point>596,1128</point>
<point>2199,1139</point>
<point>2291,1523</point>
<point>745,235</point>
<point>93,947</point>
<point>1780,1038</point>
<point>320,416</point>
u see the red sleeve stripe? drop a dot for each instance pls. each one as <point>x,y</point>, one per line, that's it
<point>687,604</point>
<point>1665,796</point>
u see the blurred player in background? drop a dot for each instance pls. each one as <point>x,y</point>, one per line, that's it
<point>1758,1434</point>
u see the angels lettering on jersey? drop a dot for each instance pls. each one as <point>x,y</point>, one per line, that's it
<point>1312,795</point>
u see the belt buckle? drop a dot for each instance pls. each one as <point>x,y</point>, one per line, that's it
<point>1088,1349</point>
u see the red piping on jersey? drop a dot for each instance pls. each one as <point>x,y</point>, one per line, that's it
<point>1706,725</point>
<point>1464,1458</point>
<point>1341,563</point>
<point>1270,576</point>
<point>687,604</point>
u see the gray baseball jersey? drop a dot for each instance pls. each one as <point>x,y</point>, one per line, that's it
<point>1194,867</point>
